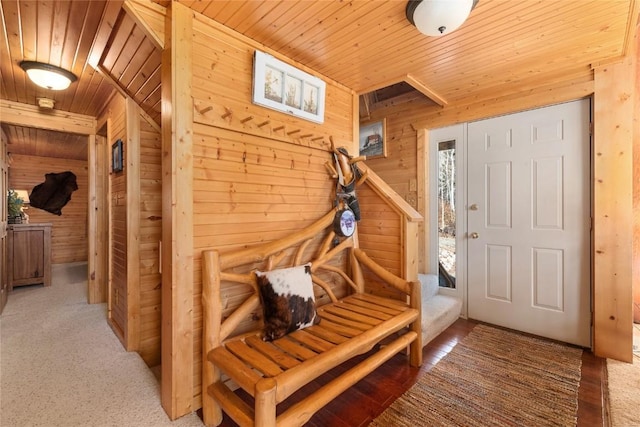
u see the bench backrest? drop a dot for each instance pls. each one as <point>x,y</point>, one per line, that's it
<point>229,283</point>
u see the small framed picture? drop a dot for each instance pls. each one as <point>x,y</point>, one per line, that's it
<point>282,87</point>
<point>373,139</point>
<point>117,157</point>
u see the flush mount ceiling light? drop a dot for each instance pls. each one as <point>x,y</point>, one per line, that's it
<point>48,76</point>
<point>438,17</point>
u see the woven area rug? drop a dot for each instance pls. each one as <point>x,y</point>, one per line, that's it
<point>494,378</point>
<point>624,392</point>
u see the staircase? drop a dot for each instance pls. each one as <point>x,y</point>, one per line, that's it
<point>438,311</point>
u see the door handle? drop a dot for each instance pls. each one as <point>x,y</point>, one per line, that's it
<point>474,235</point>
<point>473,207</point>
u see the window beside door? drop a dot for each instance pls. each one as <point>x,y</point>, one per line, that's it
<point>447,213</point>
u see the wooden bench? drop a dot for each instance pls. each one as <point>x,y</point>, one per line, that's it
<point>235,354</point>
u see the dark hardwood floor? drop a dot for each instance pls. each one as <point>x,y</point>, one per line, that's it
<point>363,402</point>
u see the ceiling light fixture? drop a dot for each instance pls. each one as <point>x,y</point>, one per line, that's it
<point>438,17</point>
<point>48,76</point>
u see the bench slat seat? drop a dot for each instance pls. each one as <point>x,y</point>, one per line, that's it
<point>303,346</point>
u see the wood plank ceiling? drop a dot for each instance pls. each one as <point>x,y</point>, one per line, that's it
<point>66,34</point>
<point>505,47</point>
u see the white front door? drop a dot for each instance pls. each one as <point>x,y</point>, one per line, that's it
<point>528,222</point>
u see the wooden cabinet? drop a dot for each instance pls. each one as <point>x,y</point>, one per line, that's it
<point>29,254</point>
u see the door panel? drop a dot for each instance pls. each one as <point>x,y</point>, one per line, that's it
<point>498,272</point>
<point>498,202</point>
<point>528,242</point>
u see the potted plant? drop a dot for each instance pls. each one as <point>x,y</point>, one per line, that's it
<point>14,207</point>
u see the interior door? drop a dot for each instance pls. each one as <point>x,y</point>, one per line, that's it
<point>528,219</point>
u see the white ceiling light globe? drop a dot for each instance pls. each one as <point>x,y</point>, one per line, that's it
<point>440,17</point>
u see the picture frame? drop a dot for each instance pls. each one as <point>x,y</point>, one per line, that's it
<point>117,156</point>
<point>282,87</point>
<point>373,139</point>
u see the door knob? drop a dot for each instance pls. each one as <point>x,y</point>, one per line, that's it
<point>473,207</point>
<point>474,235</point>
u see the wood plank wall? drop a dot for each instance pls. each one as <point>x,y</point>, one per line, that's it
<point>380,236</point>
<point>400,168</point>
<point>150,280</point>
<point>135,229</point>
<point>253,181</point>
<point>117,304</point>
<point>68,231</point>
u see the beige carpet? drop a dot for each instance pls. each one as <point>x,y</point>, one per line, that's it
<point>494,378</point>
<point>62,365</point>
<point>624,388</point>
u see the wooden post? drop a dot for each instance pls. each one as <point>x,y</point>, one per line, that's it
<point>266,403</point>
<point>97,251</point>
<point>613,222</point>
<point>177,389</point>
<point>410,254</point>
<point>422,189</point>
<point>132,173</point>
<point>415,348</point>
<point>211,321</point>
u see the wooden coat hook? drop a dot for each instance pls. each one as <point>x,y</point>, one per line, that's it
<point>331,169</point>
<point>363,177</point>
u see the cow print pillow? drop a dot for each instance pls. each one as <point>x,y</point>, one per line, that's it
<point>287,300</point>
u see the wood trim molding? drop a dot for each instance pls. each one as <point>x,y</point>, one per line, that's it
<point>484,108</point>
<point>177,385</point>
<point>140,11</point>
<point>393,199</point>
<point>132,171</point>
<point>96,281</point>
<point>103,33</point>
<point>62,121</point>
<point>422,190</point>
<point>612,211</point>
<point>411,80</point>
<point>425,90</point>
